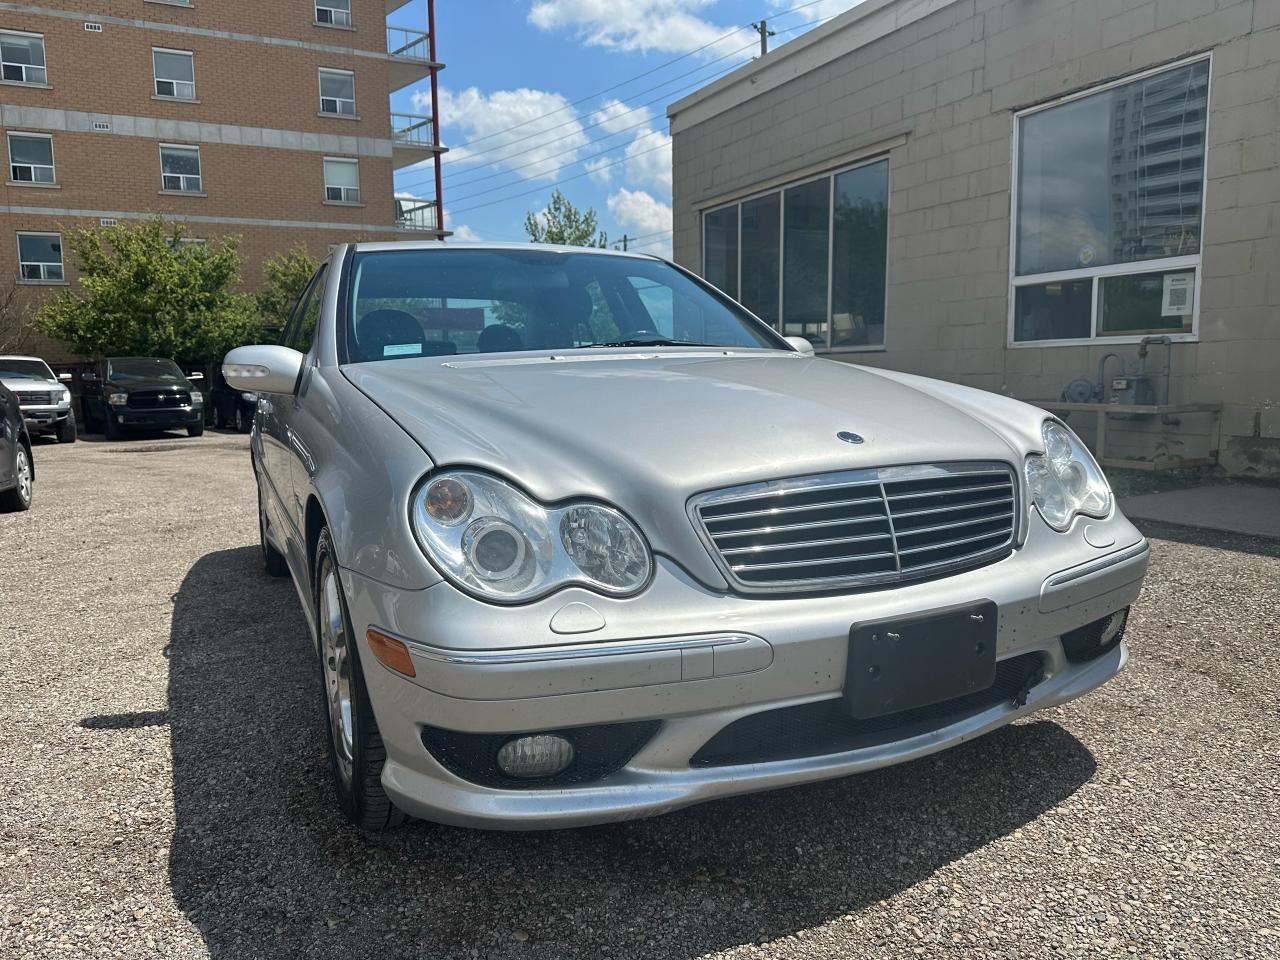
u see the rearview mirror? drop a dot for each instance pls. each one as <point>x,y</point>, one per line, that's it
<point>262,368</point>
<point>802,345</point>
<point>65,378</point>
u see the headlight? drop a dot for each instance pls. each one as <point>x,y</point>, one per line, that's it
<point>66,396</point>
<point>249,397</point>
<point>493,539</point>
<point>1066,480</point>
<point>118,399</point>
<point>197,398</point>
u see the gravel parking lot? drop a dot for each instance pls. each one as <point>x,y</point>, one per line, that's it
<point>163,791</point>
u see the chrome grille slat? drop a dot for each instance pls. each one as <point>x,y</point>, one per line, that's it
<point>770,511</point>
<point>804,544</point>
<point>763,531</point>
<point>924,520</point>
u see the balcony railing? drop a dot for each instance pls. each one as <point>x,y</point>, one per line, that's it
<point>414,214</point>
<point>409,44</point>
<point>411,129</point>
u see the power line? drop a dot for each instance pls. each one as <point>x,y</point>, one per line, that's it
<point>638,76</point>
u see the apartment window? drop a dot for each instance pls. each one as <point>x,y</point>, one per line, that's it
<point>180,169</point>
<point>1108,203</point>
<point>335,13</point>
<point>40,257</point>
<point>811,258</point>
<point>341,180</point>
<point>22,57</point>
<point>338,92</point>
<point>31,158</point>
<point>175,74</point>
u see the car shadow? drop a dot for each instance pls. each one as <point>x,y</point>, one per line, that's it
<point>262,865</point>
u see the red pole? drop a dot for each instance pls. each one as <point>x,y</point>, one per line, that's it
<point>435,112</point>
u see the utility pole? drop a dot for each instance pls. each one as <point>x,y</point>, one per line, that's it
<point>624,243</point>
<point>762,28</point>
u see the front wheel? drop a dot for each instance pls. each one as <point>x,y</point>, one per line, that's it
<point>67,429</point>
<point>19,497</point>
<point>195,430</point>
<point>356,753</point>
<point>110,429</point>
<point>243,421</point>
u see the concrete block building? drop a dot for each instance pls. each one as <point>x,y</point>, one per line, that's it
<point>269,120</point>
<point>1016,194</point>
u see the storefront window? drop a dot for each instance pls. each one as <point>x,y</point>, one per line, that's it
<point>1109,192</point>
<point>813,256</point>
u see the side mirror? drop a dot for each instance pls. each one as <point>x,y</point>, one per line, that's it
<point>802,345</point>
<point>195,376</point>
<point>262,368</point>
<point>89,376</point>
<point>65,378</point>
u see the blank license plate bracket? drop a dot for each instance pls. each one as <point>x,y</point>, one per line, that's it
<point>901,664</point>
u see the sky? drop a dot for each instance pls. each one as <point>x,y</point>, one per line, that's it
<point>573,93</point>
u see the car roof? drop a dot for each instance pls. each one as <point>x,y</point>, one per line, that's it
<point>381,246</point>
<point>18,356</point>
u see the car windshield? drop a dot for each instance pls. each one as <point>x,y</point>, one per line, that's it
<point>414,303</point>
<point>11,369</point>
<point>144,368</point>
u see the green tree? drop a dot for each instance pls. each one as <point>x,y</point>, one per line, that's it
<point>564,223</point>
<point>149,290</point>
<point>286,276</point>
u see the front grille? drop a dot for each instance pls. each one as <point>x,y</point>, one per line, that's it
<point>34,396</point>
<point>158,399</point>
<point>826,727</point>
<point>860,527</point>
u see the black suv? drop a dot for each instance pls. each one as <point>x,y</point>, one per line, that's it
<point>231,407</point>
<point>17,469</point>
<point>145,393</point>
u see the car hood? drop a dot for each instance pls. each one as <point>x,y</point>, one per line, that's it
<point>642,425</point>
<point>26,383</point>
<point>149,383</point>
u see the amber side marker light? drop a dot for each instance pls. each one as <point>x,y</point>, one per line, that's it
<point>391,652</point>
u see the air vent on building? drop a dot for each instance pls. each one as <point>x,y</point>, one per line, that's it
<point>93,27</point>
<point>107,222</point>
<point>101,126</point>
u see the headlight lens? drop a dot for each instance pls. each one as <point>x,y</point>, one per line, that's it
<point>1066,480</point>
<point>66,396</point>
<point>492,538</point>
<point>118,399</point>
<point>249,397</point>
<point>197,398</point>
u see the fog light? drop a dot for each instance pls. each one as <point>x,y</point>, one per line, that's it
<point>543,755</point>
<point>1113,627</point>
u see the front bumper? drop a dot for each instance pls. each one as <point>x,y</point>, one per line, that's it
<point>697,661</point>
<point>158,419</point>
<point>43,418</point>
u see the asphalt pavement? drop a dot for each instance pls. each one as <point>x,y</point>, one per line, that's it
<point>163,790</point>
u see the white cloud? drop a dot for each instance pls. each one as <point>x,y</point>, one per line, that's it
<point>600,170</point>
<point>671,26</point>
<point>464,233</point>
<point>614,116</point>
<point>649,158</point>
<point>534,130</point>
<point>642,215</point>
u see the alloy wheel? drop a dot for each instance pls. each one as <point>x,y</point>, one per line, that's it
<point>336,661</point>
<point>23,465</point>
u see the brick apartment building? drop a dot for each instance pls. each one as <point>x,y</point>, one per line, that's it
<point>268,120</point>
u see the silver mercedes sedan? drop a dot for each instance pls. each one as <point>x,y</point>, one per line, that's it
<point>580,539</point>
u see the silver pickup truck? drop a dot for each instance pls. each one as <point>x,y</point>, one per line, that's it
<point>45,402</point>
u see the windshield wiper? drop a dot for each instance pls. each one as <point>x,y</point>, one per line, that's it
<point>647,342</point>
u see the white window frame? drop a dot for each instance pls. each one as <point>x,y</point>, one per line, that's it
<point>183,178</point>
<point>156,79</point>
<point>52,166</point>
<point>43,265</point>
<point>338,100</point>
<point>1097,274</point>
<point>781,189</point>
<point>337,16</point>
<point>26,66</point>
<point>350,195</point>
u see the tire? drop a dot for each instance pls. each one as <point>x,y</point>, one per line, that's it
<point>19,497</point>
<point>67,431</point>
<point>110,429</point>
<point>356,752</point>
<point>242,422</point>
<point>219,421</point>
<point>273,560</point>
<point>196,429</point>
